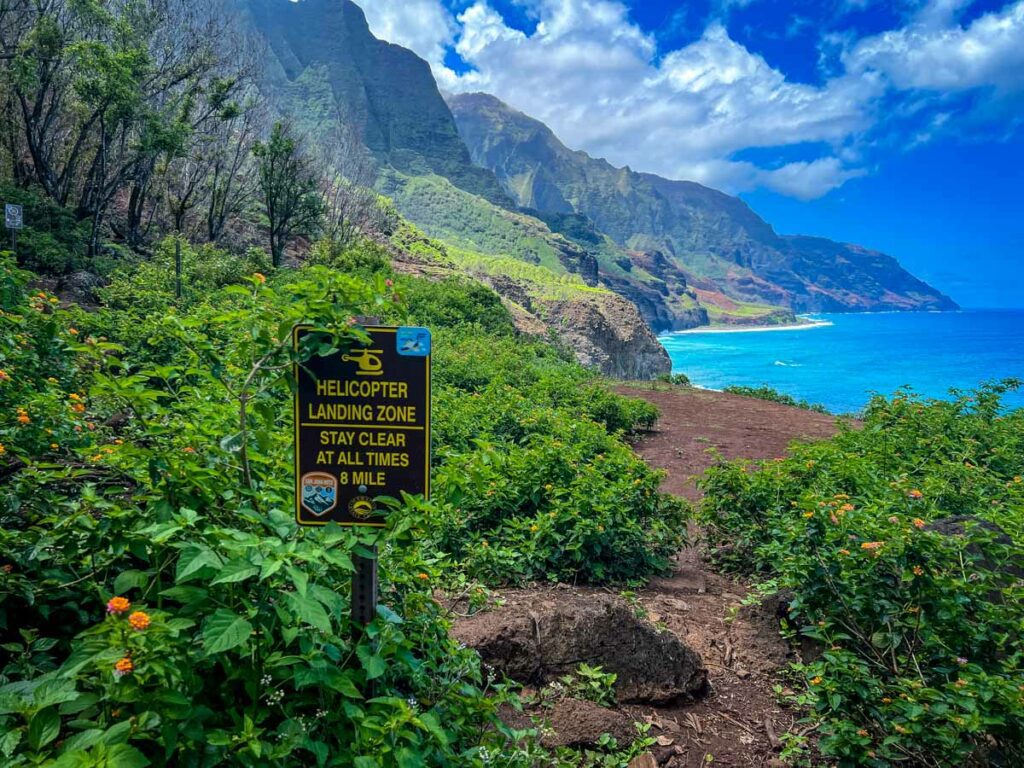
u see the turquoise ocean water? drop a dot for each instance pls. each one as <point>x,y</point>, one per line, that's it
<point>840,365</point>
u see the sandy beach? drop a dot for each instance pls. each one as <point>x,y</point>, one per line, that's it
<point>753,328</point>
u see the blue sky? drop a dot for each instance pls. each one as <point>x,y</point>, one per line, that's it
<point>896,125</point>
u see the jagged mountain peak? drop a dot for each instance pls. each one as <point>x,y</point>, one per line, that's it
<point>716,241</point>
<point>325,68</point>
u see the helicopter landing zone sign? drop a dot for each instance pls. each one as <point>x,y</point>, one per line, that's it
<point>362,427</point>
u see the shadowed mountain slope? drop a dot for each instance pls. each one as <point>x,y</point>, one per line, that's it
<point>725,251</point>
<point>324,68</point>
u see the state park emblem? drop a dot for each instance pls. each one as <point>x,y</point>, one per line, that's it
<point>319,492</point>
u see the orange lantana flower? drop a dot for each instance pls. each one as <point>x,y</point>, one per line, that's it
<point>118,605</point>
<point>139,620</point>
<point>123,667</point>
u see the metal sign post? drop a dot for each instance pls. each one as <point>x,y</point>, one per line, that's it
<point>362,432</point>
<point>14,219</point>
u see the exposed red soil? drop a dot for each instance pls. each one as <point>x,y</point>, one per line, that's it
<point>695,423</point>
<point>739,723</point>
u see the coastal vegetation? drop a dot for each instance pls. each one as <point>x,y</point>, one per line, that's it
<point>896,548</point>
<point>772,395</point>
<point>157,603</point>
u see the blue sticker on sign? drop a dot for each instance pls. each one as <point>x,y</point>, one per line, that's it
<point>412,341</point>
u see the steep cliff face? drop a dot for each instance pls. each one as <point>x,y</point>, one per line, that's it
<point>602,329</point>
<point>712,240</point>
<point>324,68</point>
<point>325,71</point>
<point>607,333</point>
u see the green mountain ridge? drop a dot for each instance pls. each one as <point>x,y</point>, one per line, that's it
<point>483,178</point>
<point>324,71</point>
<point>323,67</point>
<point>681,230</point>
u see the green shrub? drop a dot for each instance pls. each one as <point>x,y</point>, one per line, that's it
<point>153,463</point>
<point>149,286</point>
<point>454,301</point>
<point>920,629</point>
<point>242,644</point>
<point>53,241</point>
<point>765,392</point>
<point>678,379</point>
<point>360,258</point>
<point>568,503</point>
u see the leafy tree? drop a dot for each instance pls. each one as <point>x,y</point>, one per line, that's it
<point>229,187</point>
<point>99,95</point>
<point>290,188</point>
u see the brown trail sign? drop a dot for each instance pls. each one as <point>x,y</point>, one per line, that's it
<point>362,427</point>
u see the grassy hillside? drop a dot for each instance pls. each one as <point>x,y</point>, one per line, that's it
<point>156,599</point>
<point>895,550</point>
<point>472,223</point>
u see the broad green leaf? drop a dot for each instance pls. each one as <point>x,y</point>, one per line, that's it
<point>408,759</point>
<point>269,568</point>
<point>309,611</point>
<point>193,559</point>
<point>133,579</point>
<point>178,625</point>
<point>388,615</point>
<point>431,723</point>
<point>79,704</point>
<point>319,750</point>
<point>300,579</point>
<point>125,756</point>
<point>342,683</point>
<point>159,533</point>
<point>43,727</point>
<point>225,630</point>
<point>9,742</point>
<point>374,665</point>
<point>231,443</point>
<point>186,595</point>
<point>235,571</point>
<point>82,740</point>
<point>118,733</point>
<point>52,692</point>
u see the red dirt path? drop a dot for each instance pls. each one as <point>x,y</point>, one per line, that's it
<point>696,422</point>
<point>739,722</point>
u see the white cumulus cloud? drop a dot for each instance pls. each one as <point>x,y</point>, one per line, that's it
<point>597,80</point>
<point>946,56</point>
<point>601,83</point>
<point>423,26</point>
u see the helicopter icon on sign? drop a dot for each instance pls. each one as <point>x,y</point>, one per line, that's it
<point>368,360</point>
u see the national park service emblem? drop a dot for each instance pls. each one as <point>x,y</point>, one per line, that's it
<point>319,492</point>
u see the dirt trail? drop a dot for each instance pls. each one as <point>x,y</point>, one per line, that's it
<point>739,723</point>
<point>695,421</point>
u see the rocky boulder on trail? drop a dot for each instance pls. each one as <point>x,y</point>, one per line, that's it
<point>536,637</point>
